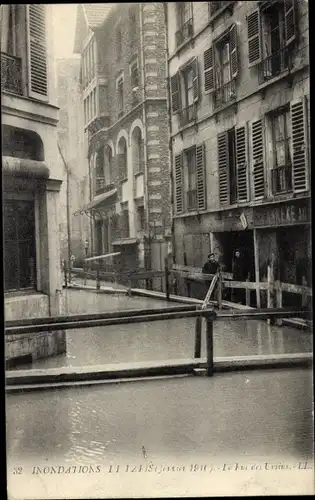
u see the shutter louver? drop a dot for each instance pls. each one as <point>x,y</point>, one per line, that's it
<point>241,163</point>
<point>233,49</point>
<point>258,159</point>
<point>223,168</point>
<point>37,51</point>
<point>179,184</point>
<point>195,80</point>
<point>289,21</point>
<point>299,145</point>
<point>208,70</point>
<point>175,92</point>
<point>253,38</point>
<point>201,184</point>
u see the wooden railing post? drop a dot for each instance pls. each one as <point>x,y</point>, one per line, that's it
<point>84,272</point>
<point>247,293</point>
<point>278,299</point>
<point>198,329</point>
<point>220,289</point>
<point>167,285</point>
<point>209,346</point>
<point>65,272</point>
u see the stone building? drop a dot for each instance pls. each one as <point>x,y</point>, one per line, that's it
<point>74,192</point>
<point>31,175</point>
<point>239,85</point>
<point>124,87</point>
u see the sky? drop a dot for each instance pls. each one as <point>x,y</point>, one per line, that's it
<point>64,18</point>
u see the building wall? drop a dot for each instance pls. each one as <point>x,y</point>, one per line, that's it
<point>71,140</point>
<point>252,102</point>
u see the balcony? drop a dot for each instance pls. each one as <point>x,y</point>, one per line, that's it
<point>192,199</point>
<point>11,74</point>
<point>281,179</point>
<point>184,33</point>
<point>187,115</point>
<point>102,186</point>
<point>224,94</point>
<point>274,65</point>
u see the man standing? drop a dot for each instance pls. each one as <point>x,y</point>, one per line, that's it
<point>239,269</point>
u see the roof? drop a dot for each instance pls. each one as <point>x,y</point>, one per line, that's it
<point>89,16</point>
<point>96,13</point>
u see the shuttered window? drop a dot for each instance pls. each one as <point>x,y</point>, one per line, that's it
<point>254,38</point>
<point>241,163</point>
<point>299,145</point>
<point>175,93</point>
<point>37,51</point>
<point>258,159</point>
<point>201,183</point>
<point>195,80</point>
<point>179,184</point>
<point>223,168</point>
<point>233,49</point>
<point>208,70</point>
<point>289,21</point>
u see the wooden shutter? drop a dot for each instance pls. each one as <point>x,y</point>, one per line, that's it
<point>201,181</point>
<point>233,51</point>
<point>289,21</point>
<point>195,79</point>
<point>208,59</point>
<point>258,158</point>
<point>299,134</point>
<point>175,92</point>
<point>241,163</point>
<point>37,51</point>
<point>223,168</point>
<point>254,38</point>
<point>179,184</point>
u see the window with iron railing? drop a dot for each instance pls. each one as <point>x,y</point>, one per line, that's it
<point>187,115</point>
<point>281,173</point>
<point>11,74</point>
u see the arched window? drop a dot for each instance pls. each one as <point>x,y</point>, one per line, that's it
<point>108,165</point>
<point>122,160</point>
<point>137,151</point>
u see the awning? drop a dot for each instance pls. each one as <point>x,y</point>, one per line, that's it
<point>125,241</point>
<point>101,198</point>
<point>21,167</point>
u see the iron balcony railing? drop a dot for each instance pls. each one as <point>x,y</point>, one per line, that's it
<point>11,73</point>
<point>281,179</point>
<point>274,65</point>
<point>224,94</point>
<point>187,115</point>
<point>102,186</point>
<point>192,199</point>
<point>185,32</point>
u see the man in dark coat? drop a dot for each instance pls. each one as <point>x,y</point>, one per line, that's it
<point>239,269</point>
<point>211,266</point>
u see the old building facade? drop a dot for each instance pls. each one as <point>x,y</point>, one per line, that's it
<point>74,192</point>
<point>124,87</point>
<point>31,175</point>
<point>239,92</point>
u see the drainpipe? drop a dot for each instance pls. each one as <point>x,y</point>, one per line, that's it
<point>169,131</point>
<point>68,206</point>
<point>146,198</point>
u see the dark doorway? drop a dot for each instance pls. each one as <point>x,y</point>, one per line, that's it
<point>242,240</point>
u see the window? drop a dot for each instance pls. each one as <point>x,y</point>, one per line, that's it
<point>120,95</point>
<point>19,245</point>
<point>232,165</point>
<point>190,160</point>
<point>99,171</point>
<point>184,22</point>
<point>271,30</point>
<point>281,173</point>
<point>134,74</point>
<point>108,165</point>
<point>89,63</point>
<point>118,44</point>
<point>190,180</point>
<point>140,218</point>
<point>185,92</point>
<point>221,68</point>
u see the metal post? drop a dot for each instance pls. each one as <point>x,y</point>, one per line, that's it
<point>167,285</point>
<point>198,330</point>
<point>98,284</point>
<point>209,347</point>
<point>257,279</point>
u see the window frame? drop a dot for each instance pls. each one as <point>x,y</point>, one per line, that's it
<point>120,81</point>
<point>134,64</point>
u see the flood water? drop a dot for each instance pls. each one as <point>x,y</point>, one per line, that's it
<point>162,340</point>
